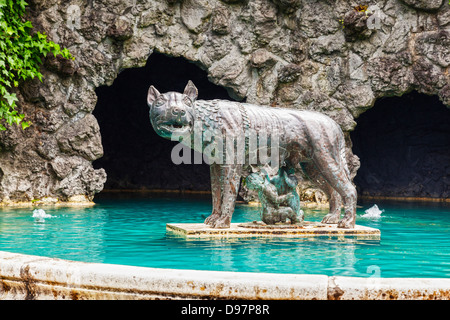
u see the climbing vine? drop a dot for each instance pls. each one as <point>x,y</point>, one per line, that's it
<point>21,53</point>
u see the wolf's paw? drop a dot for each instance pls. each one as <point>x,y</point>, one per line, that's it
<point>347,222</point>
<point>222,223</point>
<point>211,220</point>
<point>331,218</point>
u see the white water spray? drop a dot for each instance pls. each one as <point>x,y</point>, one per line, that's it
<point>373,212</point>
<point>40,215</point>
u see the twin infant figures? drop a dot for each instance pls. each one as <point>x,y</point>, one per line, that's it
<point>278,196</point>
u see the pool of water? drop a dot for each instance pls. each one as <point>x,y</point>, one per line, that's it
<point>415,239</point>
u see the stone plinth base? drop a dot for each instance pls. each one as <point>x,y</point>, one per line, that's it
<point>258,229</point>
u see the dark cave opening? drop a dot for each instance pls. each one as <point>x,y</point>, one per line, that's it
<point>135,157</point>
<point>404,148</point>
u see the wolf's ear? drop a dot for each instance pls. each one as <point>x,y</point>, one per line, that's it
<point>152,95</point>
<point>191,91</point>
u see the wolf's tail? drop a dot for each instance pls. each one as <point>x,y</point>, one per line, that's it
<point>343,155</point>
<point>350,162</point>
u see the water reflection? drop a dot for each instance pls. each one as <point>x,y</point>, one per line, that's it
<point>333,255</point>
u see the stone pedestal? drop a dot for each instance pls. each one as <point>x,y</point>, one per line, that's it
<point>258,229</point>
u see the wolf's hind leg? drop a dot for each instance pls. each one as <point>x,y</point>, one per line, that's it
<point>335,202</point>
<point>336,175</point>
<point>334,198</point>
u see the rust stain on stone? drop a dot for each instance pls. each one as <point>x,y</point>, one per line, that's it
<point>334,291</point>
<point>4,287</point>
<point>29,282</point>
<point>74,295</point>
<point>216,291</point>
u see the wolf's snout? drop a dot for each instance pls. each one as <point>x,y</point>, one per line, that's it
<point>178,111</point>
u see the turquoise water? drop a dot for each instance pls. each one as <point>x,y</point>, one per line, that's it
<point>415,239</point>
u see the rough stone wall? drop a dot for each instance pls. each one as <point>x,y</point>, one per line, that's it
<point>305,54</point>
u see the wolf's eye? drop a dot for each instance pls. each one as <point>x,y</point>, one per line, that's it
<point>159,102</point>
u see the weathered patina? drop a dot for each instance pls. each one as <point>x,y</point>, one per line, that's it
<point>280,202</point>
<point>307,142</point>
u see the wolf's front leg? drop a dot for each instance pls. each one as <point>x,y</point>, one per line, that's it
<point>229,181</point>
<point>216,192</point>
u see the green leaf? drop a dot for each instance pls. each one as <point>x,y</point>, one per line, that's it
<point>25,124</point>
<point>9,31</point>
<point>22,4</point>
<point>21,53</point>
<point>11,98</point>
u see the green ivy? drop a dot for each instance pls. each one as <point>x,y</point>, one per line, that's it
<point>21,51</point>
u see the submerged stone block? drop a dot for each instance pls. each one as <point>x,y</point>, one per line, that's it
<point>257,229</point>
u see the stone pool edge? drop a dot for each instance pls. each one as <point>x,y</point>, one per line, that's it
<point>26,277</point>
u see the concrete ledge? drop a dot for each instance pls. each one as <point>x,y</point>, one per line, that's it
<point>353,288</point>
<point>32,277</point>
<point>308,229</point>
<point>25,277</point>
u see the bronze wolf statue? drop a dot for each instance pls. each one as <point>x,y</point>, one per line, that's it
<point>309,142</point>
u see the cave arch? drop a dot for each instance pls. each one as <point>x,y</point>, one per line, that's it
<point>135,157</point>
<point>404,148</point>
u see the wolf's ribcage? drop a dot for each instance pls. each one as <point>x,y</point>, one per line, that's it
<point>247,134</point>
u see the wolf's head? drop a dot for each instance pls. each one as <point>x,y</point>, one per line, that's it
<point>172,111</point>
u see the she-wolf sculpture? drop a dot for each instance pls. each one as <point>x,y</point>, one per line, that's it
<point>308,142</point>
